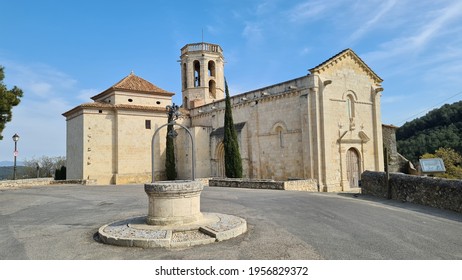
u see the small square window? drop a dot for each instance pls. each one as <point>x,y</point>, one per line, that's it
<point>147,124</point>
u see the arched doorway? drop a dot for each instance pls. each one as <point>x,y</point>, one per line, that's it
<point>220,156</point>
<point>353,167</point>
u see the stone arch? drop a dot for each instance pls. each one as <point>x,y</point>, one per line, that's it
<point>279,129</point>
<point>350,92</point>
<point>350,106</point>
<point>212,89</point>
<point>185,77</point>
<point>353,164</point>
<point>211,68</point>
<point>197,73</point>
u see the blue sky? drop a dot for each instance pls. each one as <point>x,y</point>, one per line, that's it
<point>63,52</point>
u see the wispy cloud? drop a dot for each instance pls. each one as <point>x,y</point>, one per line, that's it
<point>37,119</point>
<point>265,7</point>
<point>430,30</point>
<point>419,39</point>
<point>85,95</point>
<point>309,10</point>
<point>365,27</point>
<point>253,32</point>
<point>39,80</point>
<point>393,99</point>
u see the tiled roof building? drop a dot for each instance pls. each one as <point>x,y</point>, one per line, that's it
<point>324,126</point>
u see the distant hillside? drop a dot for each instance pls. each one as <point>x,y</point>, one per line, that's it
<point>6,172</point>
<point>439,128</point>
<point>10,163</point>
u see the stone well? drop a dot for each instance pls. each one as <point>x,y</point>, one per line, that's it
<point>174,220</point>
<point>173,202</point>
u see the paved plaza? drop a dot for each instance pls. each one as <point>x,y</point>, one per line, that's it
<point>60,222</point>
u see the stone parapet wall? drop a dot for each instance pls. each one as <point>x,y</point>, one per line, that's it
<point>434,192</point>
<point>309,185</point>
<point>296,185</point>
<point>74,182</point>
<point>24,183</point>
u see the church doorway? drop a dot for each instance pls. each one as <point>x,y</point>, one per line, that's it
<point>353,167</point>
<point>220,156</point>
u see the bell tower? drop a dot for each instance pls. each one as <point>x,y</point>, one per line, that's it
<point>202,74</point>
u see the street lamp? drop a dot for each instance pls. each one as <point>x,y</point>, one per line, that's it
<point>15,139</point>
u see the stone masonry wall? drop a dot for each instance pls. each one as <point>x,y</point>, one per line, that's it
<point>434,192</point>
<point>25,183</point>
<point>296,185</point>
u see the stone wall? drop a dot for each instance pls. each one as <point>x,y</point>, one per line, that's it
<point>13,184</point>
<point>430,191</point>
<point>24,183</point>
<point>296,185</point>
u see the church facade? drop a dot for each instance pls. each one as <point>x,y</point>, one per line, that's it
<point>324,126</point>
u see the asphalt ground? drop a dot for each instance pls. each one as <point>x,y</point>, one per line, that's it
<point>60,222</point>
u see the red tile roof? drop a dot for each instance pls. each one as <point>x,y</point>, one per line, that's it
<point>133,83</point>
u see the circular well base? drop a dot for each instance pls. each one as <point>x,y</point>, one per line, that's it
<point>134,232</point>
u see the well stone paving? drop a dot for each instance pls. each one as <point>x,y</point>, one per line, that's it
<point>134,232</point>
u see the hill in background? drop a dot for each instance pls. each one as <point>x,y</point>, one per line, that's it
<point>6,172</point>
<point>438,128</point>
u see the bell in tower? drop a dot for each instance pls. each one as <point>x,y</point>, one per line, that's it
<point>202,75</point>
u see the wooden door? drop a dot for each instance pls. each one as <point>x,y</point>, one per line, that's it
<point>353,170</point>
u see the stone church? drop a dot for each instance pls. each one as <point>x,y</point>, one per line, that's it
<point>325,125</point>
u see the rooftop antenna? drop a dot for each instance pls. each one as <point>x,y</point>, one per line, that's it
<point>202,35</point>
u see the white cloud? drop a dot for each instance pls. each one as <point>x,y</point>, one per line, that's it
<point>431,30</point>
<point>252,32</point>
<point>39,80</point>
<point>37,119</point>
<point>305,51</point>
<point>392,99</point>
<point>309,10</point>
<point>265,7</point>
<point>419,38</point>
<point>40,88</point>
<point>85,95</point>
<point>366,26</point>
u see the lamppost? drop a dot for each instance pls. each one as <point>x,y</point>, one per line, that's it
<point>15,139</point>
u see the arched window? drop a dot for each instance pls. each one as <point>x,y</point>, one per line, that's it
<point>279,131</point>
<point>212,89</point>
<point>211,68</point>
<point>197,73</point>
<point>350,106</point>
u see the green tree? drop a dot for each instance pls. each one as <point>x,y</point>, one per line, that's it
<point>233,162</point>
<point>452,162</point>
<point>170,168</point>
<point>60,173</point>
<point>8,99</point>
<point>441,127</point>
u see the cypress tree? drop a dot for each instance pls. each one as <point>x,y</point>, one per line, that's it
<point>233,162</point>
<point>170,168</point>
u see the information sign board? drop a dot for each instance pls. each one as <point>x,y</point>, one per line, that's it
<point>432,165</point>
